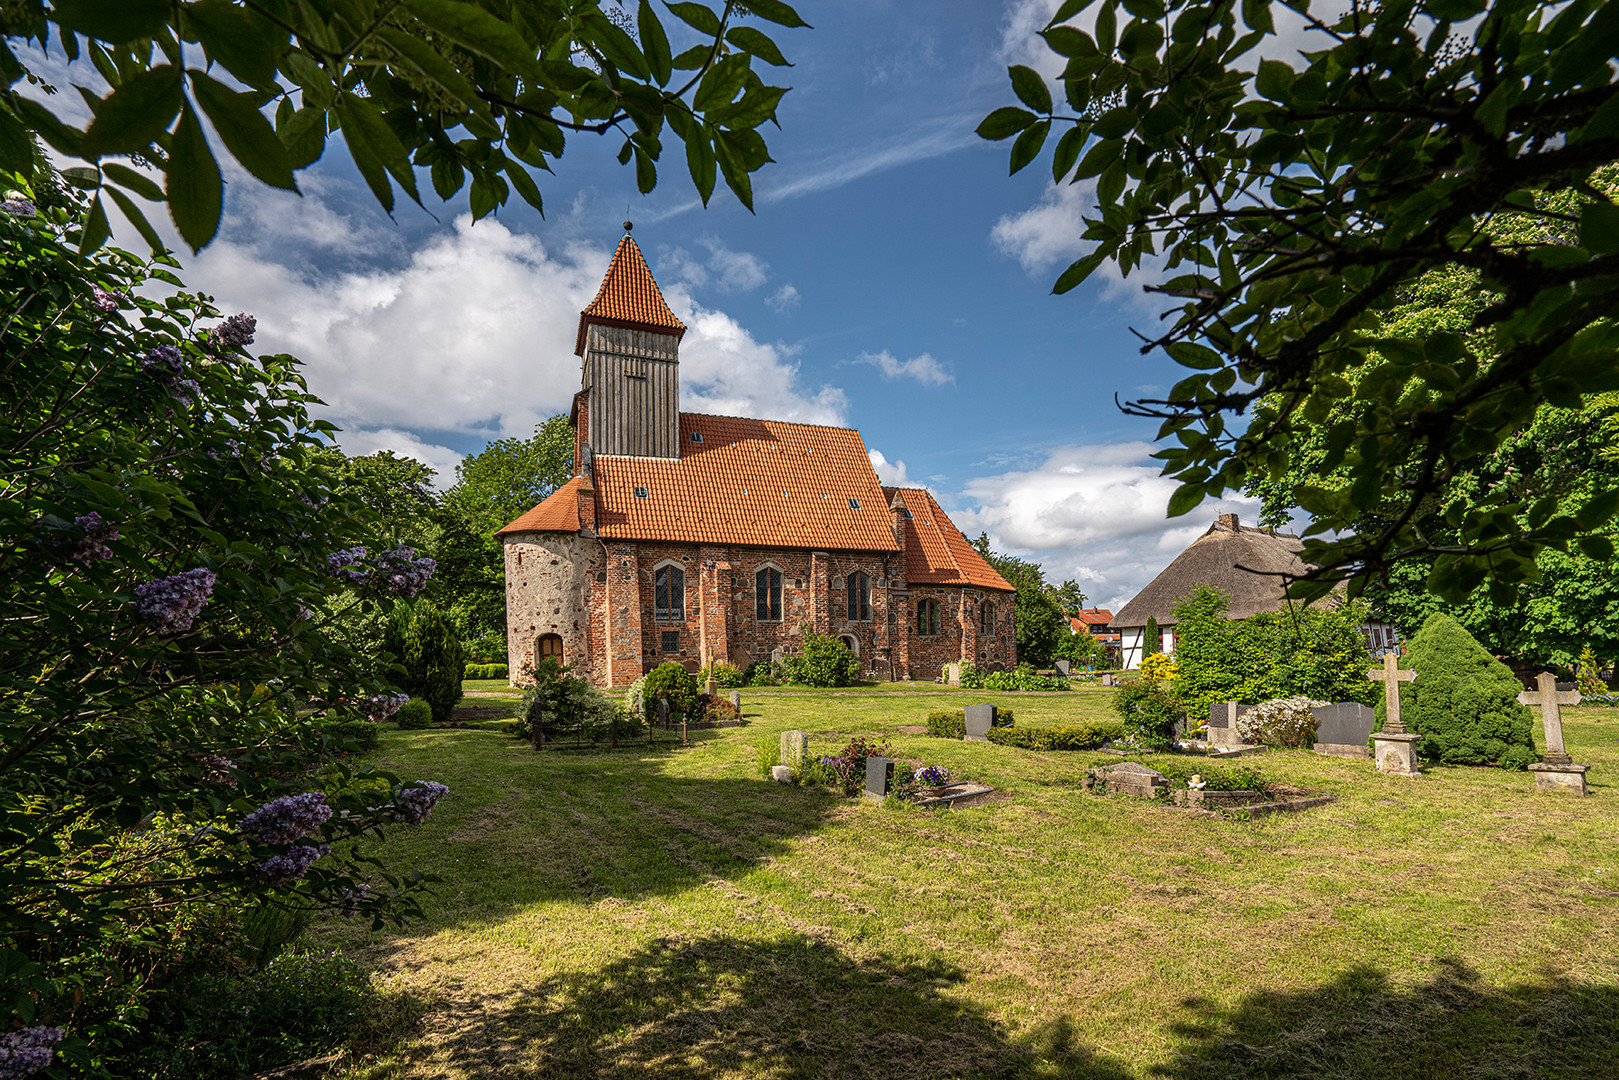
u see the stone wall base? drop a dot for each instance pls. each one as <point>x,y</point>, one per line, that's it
<point>1396,755</point>
<point>1341,749</point>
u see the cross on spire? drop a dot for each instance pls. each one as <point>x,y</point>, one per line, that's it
<point>1548,699</point>
<point>1391,675</point>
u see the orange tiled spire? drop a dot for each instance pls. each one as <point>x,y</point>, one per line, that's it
<point>629,297</point>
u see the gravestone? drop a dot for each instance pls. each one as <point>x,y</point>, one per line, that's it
<point>1223,734</point>
<point>1109,679</point>
<point>1343,728</point>
<point>736,699</point>
<point>663,711</point>
<point>777,654</point>
<point>1394,748</point>
<point>952,674</point>
<point>794,748</point>
<point>1064,668</point>
<point>879,777</point>
<point>979,719</point>
<point>1130,778</point>
<point>1557,771</point>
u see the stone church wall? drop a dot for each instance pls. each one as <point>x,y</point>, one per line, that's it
<point>548,591</point>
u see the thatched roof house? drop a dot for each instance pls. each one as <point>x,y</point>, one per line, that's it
<point>1244,561</point>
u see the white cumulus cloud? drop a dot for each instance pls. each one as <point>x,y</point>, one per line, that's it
<point>891,473</point>
<point>441,459</point>
<point>783,299</point>
<point>922,367</point>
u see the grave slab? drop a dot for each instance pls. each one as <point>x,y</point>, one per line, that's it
<point>1343,728</point>
<point>794,748</point>
<point>979,719</point>
<point>1130,778</point>
<point>879,777</point>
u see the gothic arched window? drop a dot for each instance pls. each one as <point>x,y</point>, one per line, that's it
<point>859,597</point>
<point>927,618</point>
<point>669,594</point>
<point>767,594</point>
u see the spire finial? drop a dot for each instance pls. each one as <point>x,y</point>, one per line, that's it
<point>628,225</point>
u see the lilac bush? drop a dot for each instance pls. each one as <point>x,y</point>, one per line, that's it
<point>289,818</point>
<point>236,331</point>
<point>396,570</point>
<point>90,546</point>
<point>172,604</point>
<point>25,1052</point>
<point>348,565</point>
<point>412,804</point>
<point>164,363</point>
<point>292,864</point>
<point>351,899</point>
<point>18,207</point>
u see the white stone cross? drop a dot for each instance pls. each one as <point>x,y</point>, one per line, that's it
<point>1391,675</point>
<point>1547,699</point>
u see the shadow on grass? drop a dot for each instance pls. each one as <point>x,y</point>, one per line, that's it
<point>792,1009</point>
<point>1360,1025</point>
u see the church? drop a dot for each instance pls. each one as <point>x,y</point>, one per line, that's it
<point>703,539</point>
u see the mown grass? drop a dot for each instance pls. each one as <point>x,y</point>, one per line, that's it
<point>671,915</point>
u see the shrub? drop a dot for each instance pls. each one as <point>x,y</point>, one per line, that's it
<point>635,697</point>
<point>1023,678</point>
<point>1158,666</point>
<point>1150,711</point>
<point>299,1005</point>
<point>1215,777</point>
<point>819,772</point>
<point>423,642</point>
<point>559,706</point>
<point>360,735</point>
<point>1464,701</point>
<point>726,676</point>
<point>1286,722</point>
<point>486,671</point>
<point>953,725</point>
<point>720,710</point>
<point>673,683</point>
<point>1588,674</point>
<point>971,677</point>
<point>1152,639</point>
<point>822,661</point>
<point>761,673</point>
<point>414,714</point>
<point>487,647</point>
<point>849,764</point>
<point>1085,736</point>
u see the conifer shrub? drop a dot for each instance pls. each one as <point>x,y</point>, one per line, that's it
<point>1464,702</point>
<point>423,642</point>
<point>1152,639</point>
<point>561,707</point>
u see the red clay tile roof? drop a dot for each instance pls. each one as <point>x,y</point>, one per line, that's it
<point>559,512</point>
<point>628,297</point>
<point>759,482</point>
<point>935,551</point>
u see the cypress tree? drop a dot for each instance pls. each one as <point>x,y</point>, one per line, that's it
<point>423,642</point>
<point>1152,639</point>
<point>1464,702</point>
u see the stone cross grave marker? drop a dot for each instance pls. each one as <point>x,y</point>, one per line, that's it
<point>1394,748</point>
<point>979,719</point>
<point>879,777</point>
<point>1557,772</point>
<point>794,748</point>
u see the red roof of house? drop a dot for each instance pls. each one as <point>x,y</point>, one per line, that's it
<point>628,297</point>
<point>558,512</point>
<point>935,551</point>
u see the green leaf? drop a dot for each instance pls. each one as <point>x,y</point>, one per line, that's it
<point>655,43</point>
<point>1004,123</point>
<point>127,206</point>
<point>372,143</point>
<point>756,106</point>
<point>244,130</point>
<point>134,114</point>
<point>1067,41</point>
<point>1256,16</point>
<point>1599,228</point>
<point>117,21</point>
<point>777,12</point>
<point>474,28</point>
<point>700,163</point>
<point>1454,10</point>
<point>1186,497</point>
<point>617,46</point>
<point>96,230</point>
<point>1078,271</point>
<point>1274,79</point>
<point>425,59</point>
<point>721,83</point>
<point>525,185</point>
<point>1027,147</point>
<point>304,136</point>
<point>44,123</point>
<point>248,45</point>
<point>1198,357</point>
<point>1030,88</point>
<point>750,40</point>
<point>16,148</point>
<point>1067,152</point>
<point>195,189</point>
<point>646,171</point>
<point>736,177</point>
<point>698,17</point>
<point>134,181</point>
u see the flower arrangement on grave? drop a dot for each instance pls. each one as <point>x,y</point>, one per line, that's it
<point>933,776</point>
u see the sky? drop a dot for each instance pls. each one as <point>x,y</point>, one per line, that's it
<point>893,278</point>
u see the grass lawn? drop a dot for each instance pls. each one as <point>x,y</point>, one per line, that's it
<point>671,915</point>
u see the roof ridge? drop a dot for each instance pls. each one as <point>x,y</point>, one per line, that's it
<point>772,420</point>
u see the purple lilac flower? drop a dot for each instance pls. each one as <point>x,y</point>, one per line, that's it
<point>289,818</point>
<point>412,804</point>
<point>26,1051</point>
<point>933,775</point>
<point>187,391</point>
<point>379,707</point>
<point>352,899</point>
<point>87,548</point>
<point>348,565</point>
<point>236,331</point>
<point>401,573</point>
<point>19,208</point>
<point>106,302</point>
<point>172,604</point>
<point>218,769</point>
<point>288,867</point>
<point>164,363</point>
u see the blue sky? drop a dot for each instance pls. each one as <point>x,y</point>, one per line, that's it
<point>893,279</point>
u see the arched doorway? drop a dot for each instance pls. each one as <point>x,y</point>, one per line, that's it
<point>548,645</point>
<point>851,641</point>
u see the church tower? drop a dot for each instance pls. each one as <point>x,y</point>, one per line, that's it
<point>629,342</point>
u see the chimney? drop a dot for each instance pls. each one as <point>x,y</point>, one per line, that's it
<point>587,506</point>
<point>896,508</point>
<point>1228,522</point>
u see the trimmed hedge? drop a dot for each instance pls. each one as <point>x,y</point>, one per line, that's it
<point>363,734</point>
<point>487,671</point>
<point>953,725</point>
<point>414,715</point>
<point>1067,737</point>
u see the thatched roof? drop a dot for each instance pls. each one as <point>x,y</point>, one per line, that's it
<point>1222,557</point>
